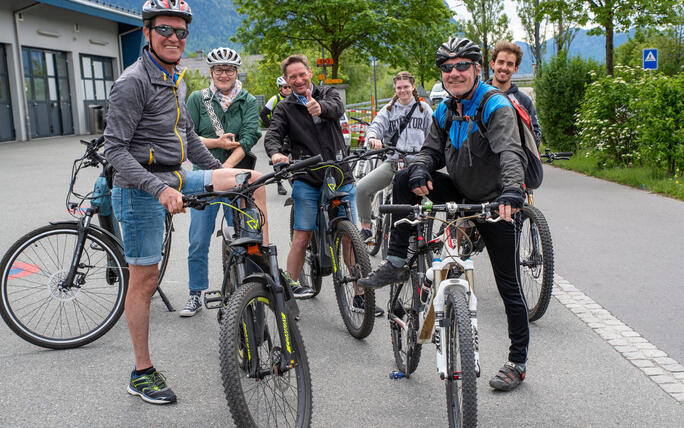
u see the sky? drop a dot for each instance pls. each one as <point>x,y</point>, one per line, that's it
<point>509,8</point>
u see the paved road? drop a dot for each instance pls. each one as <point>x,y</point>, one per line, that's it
<point>574,378</point>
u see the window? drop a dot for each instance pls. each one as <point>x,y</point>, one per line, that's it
<point>98,77</point>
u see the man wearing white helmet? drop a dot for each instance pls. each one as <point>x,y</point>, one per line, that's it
<point>149,135</point>
<point>226,119</point>
<point>284,91</point>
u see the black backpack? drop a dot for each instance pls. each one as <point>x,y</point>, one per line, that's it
<point>534,172</point>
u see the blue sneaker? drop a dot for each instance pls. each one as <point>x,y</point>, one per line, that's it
<point>151,387</point>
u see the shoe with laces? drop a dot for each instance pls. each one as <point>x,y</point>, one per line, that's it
<point>359,305</point>
<point>298,291</point>
<point>367,236</point>
<point>193,306</point>
<point>385,274</point>
<point>151,387</point>
<point>509,377</point>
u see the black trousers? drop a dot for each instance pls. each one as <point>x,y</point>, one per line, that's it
<point>502,240</point>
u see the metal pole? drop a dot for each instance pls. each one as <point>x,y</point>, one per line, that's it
<point>375,88</point>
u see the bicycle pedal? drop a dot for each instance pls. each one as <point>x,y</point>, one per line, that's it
<point>213,299</point>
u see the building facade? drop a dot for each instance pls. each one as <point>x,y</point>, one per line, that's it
<point>58,60</point>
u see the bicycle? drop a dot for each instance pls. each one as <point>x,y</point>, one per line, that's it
<point>536,251</point>
<point>64,285</point>
<point>437,306</point>
<point>336,249</point>
<point>264,367</point>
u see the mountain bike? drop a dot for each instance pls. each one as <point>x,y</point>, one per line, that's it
<point>264,367</point>
<point>536,251</point>
<point>438,303</point>
<point>336,249</point>
<point>64,285</point>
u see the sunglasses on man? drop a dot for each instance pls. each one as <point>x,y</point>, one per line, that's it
<point>167,30</point>
<point>460,66</point>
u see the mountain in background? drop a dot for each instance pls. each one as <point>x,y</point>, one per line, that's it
<point>214,22</point>
<point>583,45</point>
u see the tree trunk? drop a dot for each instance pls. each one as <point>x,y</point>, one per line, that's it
<point>485,46</point>
<point>336,64</point>
<point>609,45</point>
<point>537,42</point>
<point>559,35</point>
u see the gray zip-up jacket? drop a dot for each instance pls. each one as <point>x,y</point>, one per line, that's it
<point>387,122</point>
<point>148,123</point>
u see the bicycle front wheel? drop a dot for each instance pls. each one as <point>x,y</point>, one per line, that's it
<point>351,262</point>
<point>461,380</point>
<point>536,262</point>
<point>166,247</point>
<point>41,308</point>
<point>250,348</point>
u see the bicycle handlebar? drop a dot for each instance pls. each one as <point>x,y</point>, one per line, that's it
<point>427,207</point>
<point>552,156</point>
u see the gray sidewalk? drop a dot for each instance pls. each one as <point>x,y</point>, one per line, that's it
<point>575,377</point>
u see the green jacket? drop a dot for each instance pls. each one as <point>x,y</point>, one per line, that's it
<point>241,119</point>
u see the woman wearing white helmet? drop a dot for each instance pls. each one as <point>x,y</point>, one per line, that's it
<point>227,121</point>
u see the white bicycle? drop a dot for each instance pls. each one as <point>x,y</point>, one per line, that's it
<point>438,303</point>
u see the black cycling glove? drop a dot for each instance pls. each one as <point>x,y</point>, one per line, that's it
<point>511,196</point>
<point>418,176</point>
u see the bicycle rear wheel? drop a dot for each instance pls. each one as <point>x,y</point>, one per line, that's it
<point>461,382</point>
<point>257,393</point>
<point>351,263</point>
<point>376,225</point>
<point>404,325</point>
<point>42,310</point>
<point>536,262</point>
<point>309,276</point>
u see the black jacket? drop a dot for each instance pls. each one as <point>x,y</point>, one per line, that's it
<point>310,135</point>
<point>526,102</point>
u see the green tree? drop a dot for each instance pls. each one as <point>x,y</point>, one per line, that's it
<point>619,15</point>
<point>487,25</point>
<point>194,81</point>
<point>367,26</point>
<point>415,51</point>
<point>564,16</point>
<point>533,22</point>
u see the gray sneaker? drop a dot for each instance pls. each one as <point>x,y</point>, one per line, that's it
<point>193,306</point>
<point>385,274</point>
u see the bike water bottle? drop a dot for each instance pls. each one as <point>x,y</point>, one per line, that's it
<point>396,374</point>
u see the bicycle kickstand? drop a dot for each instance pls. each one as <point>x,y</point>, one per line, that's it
<point>165,300</point>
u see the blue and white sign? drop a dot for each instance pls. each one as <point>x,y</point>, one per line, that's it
<point>650,60</point>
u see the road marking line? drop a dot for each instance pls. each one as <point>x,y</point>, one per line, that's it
<point>667,373</point>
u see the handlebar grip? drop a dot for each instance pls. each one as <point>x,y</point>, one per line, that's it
<point>395,209</point>
<point>567,154</point>
<point>306,163</point>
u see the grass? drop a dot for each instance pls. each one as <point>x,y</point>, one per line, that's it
<point>645,178</point>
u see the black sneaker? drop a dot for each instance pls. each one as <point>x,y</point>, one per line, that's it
<point>509,377</point>
<point>367,236</point>
<point>299,291</point>
<point>385,274</point>
<point>359,305</point>
<point>151,387</point>
<point>281,189</point>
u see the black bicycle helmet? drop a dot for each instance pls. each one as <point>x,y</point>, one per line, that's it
<point>458,48</point>
<point>153,8</point>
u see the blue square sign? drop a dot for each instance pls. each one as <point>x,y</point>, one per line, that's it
<point>650,60</point>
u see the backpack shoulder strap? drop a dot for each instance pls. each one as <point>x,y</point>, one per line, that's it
<point>479,113</point>
<point>448,119</point>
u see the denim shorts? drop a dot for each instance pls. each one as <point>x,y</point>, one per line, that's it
<point>141,217</point>
<point>306,198</point>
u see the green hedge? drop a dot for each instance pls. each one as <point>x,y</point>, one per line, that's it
<point>634,119</point>
<point>559,89</point>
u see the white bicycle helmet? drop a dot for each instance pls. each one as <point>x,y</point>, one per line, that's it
<point>153,8</point>
<point>280,81</point>
<point>224,56</point>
